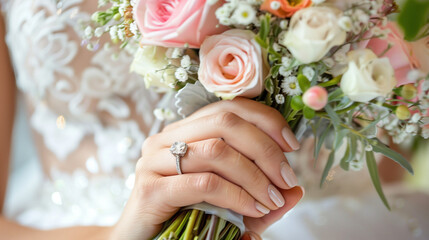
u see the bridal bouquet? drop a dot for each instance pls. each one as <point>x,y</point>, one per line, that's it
<point>342,74</point>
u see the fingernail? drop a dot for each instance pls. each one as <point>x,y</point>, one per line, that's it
<point>276,196</point>
<point>262,208</point>
<point>290,138</point>
<point>288,175</point>
<point>252,237</point>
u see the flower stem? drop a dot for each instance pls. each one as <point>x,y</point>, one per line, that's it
<point>331,82</point>
<point>190,225</point>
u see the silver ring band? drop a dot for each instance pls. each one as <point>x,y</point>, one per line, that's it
<point>178,168</point>
<point>179,149</point>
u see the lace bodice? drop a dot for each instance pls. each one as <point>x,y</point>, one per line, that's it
<point>88,114</point>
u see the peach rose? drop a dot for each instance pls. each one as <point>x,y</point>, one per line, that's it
<point>400,54</point>
<point>174,23</point>
<point>285,8</point>
<point>233,64</point>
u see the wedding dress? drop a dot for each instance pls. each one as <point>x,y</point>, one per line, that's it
<point>89,116</point>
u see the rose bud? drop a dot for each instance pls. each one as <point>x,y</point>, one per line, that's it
<point>408,91</point>
<point>316,97</point>
<point>402,112</point>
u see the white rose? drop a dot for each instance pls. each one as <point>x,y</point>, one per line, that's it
<point>313,32</point>
<point>149,62</point>
<point>367,76</point>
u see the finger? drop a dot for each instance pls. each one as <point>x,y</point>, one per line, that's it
<point>214,155</point>
<point>292,196</point>
<point>192,188</point>
<point>264,117</point>
<point>251,236</point>
<point>242,136</point>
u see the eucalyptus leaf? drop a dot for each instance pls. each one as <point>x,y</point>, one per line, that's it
<point>335,95</point>
<point>320,141</point>
<point>344,164</point>
<point>339,136</point>
<point>328,167</point>
<point>386,151</point>
<point>373,172</point>
<point>334,117</point>
<point>353,147</point>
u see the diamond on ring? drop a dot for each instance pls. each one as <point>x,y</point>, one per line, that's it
<point>178,149</point>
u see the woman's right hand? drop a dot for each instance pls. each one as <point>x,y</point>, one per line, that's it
<point>235,160</point>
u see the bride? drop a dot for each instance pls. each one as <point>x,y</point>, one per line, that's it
<point>101,149</point>
<point>103,169</point>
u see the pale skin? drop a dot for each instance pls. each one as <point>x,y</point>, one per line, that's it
<point>244,135</point>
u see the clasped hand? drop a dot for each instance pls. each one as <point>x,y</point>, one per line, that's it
<point>235,160</point>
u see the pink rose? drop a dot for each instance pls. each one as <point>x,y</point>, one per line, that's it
<point>233,64</point>
<point>421,52</point>
<point>174,23</point>
<point>400,54</point>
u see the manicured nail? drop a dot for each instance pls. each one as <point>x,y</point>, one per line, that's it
<point>288,175</point>
<point>252,237</point>
<point>290,138</point>
<point>276,196</point>
<point>262,208</point>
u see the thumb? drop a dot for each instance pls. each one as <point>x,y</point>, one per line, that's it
<point>251,236</point>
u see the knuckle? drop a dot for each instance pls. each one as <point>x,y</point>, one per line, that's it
<point>227,120</point>
<point>214,148</point>
<point>148,142</point>
<point>269,150</point>
<point>259,178</point>
<point>207,183</point>
<point>242,199</point>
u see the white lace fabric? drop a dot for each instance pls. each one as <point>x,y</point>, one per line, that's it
<point>89,115</point>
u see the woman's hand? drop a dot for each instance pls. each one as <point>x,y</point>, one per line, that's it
<point>234,160</point>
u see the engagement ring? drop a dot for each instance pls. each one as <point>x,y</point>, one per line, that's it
<point>178,149</point>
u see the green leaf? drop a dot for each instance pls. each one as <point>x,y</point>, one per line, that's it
<point>297,103</point>
<point>275,70</point>
<point>303,82</point>
<point>344,164</point>
<point>333,115</point>
<point>335,95</point>
<point>320,141</point>
<point>265,27</point>
<point>339,138</point>
<point>353,147</point>
<point>386,151</point>
<point>373,172</point>
<point>308,112</point>
<point>413,17</point>
<point>328,167</point>
<point>269,85</point>
<point>261,42</point>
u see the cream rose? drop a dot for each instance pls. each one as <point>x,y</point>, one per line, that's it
<point>313,32</point>
<point>367,76</point>
<point>149,62</point>
<point>233,64</point>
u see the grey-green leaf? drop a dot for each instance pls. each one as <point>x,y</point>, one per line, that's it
<point>344,164</point>
<point>386,151</point>
<point>320,141</point>
<point>328,167</point>
<point>373,172</point>
<point>334,117</point>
